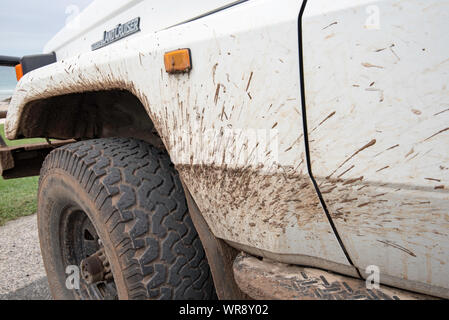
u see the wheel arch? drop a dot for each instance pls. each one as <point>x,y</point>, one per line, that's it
<point>88,115</point>
<point>82,96</point>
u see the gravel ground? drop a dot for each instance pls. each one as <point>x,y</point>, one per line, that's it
<point>22,274</point>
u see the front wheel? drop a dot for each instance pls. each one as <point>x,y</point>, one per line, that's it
<point>114,210</point>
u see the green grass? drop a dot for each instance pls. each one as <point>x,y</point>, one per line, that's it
<point>18,142</point>
<point>17,196</point>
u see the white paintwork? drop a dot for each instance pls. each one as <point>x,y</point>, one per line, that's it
<point>269,204</point>
<point>388,85</point>
<point>101,15</point>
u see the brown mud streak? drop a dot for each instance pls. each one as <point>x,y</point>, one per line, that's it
<point>369,144</point>
<point>350,181</point>
<point>394,245</point>
<point>327,118</point>
<point>381,169</point>
<point>332,24</point>
<point>438,113</point>
<point>395,146</point>
<point>249,81</point>
<point>275,198</point>
<point>342,174</point>
<point>217,93</point>
<point>214,70</point>
<point>369,65</point>
<point>441,131</point>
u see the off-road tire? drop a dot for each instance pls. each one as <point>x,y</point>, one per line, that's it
<point>133,196</point>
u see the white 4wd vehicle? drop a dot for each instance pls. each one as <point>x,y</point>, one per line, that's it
<point>270,149</point>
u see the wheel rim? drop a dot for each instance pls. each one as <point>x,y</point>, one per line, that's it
<point>82,247</point>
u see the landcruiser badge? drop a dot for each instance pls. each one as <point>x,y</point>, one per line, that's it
<point>119,32</point>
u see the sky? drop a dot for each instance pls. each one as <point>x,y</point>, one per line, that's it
<point>27,25</point>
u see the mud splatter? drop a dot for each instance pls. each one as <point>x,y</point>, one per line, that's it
<point>438,113</point>
<point>369,144</point>
<point>394,245</point>
<point>325,119</point>
<point>441,131</point>
<point>332,24</point>
<point>342,174</point>
<point>214,70</point>
<point>217,93</point>
<point>249,81</point>
<point>369,65</point>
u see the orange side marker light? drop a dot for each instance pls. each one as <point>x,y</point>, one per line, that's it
<point>178,61</point>
<point>19,72</point>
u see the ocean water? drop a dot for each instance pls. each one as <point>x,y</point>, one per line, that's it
<point>7,82</point>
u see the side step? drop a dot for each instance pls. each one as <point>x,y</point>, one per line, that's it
<point>26,160</point>
<point>268,280</point>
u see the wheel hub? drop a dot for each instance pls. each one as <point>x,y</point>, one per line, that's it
<point>96,268</point>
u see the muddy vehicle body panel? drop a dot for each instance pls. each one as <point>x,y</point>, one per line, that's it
<point>386,187</point>
<point>304,134</point>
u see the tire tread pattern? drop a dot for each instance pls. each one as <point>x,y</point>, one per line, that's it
<point>139,196</point>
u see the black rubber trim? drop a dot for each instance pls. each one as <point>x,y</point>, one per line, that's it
<point>7,61</point>
<point>29,63</point>
<point>306,139</point>
<point>36,61</point>
<point>208,13</point>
